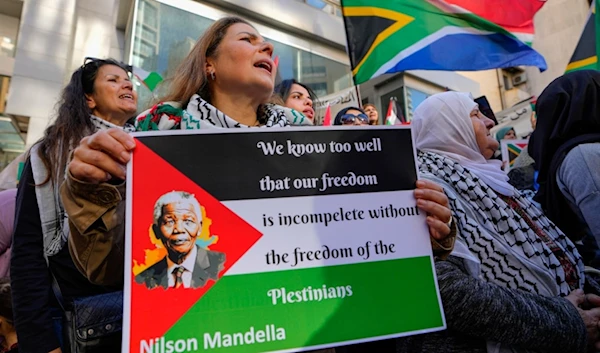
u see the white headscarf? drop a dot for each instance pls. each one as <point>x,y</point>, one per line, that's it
<point>442,125</point>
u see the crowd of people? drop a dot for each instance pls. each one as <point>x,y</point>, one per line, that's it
<point>511,270</point>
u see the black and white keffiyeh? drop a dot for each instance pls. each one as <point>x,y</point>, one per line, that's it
<point>442,125</point>
<point>498,244</point>
<point>495,241</point>
<point>55,224</point>
<point>199,114</point>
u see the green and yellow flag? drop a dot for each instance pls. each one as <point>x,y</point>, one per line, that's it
<point>387,36</point>
<point>585,56</point>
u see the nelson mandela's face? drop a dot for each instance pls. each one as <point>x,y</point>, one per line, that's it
<point>179,226</point>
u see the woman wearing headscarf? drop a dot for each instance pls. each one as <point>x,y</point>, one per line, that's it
<point>511,283</point>
<point>351,116</point>
<point>99,96</point>
<point>566,149</point>
<point>506,133</point>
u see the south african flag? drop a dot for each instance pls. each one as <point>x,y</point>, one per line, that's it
<point>386,36</point>
<point>585,56</point>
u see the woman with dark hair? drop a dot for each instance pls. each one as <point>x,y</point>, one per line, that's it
<point>566,148</point>
<point>351,116</point>
<point>7,327</point>
<point>297,96</point>
<point>99,96</point>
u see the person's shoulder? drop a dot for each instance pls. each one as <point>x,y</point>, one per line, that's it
<point>8,196</point>
<point>216,261</point>
<point>293,116</point>
<point>154,276</point>
<point>584,155</point>
<point>154,270</point>
<point>215,255</point>
<point>587,150</point>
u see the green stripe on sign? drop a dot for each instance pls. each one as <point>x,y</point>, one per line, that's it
<point>387,297</point>
<point>153,80</point>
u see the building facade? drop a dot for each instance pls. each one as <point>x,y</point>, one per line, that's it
<point>43,41</point>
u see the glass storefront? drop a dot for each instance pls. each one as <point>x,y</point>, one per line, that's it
<point>164,34</point>
<point>408,100</point>
<point>414,98</point>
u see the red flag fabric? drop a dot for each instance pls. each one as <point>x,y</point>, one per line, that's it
<point>327,118</point>
<point>515,16</point>
<point>394,116</point>
<point>391,117</point>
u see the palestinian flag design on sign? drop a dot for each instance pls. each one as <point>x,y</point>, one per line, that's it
<point>282,269</point>
<point>387,36</point>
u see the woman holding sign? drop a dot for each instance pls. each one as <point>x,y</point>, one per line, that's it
<point>513,282</point>
<point>225,82</point>
<point>45,279</point>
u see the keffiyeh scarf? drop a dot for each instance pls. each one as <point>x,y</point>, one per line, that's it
<point>199,114</point>
<point>509,252</point>
<point>496,243</point>
<point>55,225</point>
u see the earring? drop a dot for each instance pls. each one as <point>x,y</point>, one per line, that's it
<point>212,75</point>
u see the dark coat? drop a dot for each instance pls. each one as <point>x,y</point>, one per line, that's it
<point>208,265</point>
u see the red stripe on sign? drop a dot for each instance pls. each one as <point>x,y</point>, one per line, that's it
<point>155,311</point>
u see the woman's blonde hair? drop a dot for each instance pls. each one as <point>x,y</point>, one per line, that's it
<point>190,77</point>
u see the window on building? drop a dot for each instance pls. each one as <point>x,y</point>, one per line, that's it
<point>414,98</point>
<point>7,47</point>
<point>173,41</point>
<point>507,81</point>
<point>320,88</point>
<point>9,27</point>
<point>149,12</point>
<point>12,143</point>
<point>332,7</point>
<point>4,82</point>
<point>398,94</point>
<point>149,35</point>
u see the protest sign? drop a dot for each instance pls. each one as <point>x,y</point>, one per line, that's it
<point>511,149</point>
<point>289,240</point>
<point>337,101</point>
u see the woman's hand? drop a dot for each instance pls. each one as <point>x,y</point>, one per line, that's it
<point>432,199</point>
<point>591,317</point>
<point>102,156</point>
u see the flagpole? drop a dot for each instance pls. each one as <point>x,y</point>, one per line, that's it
<point>596,4</point>
<point>350,56</point>
<point>358,97</point>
